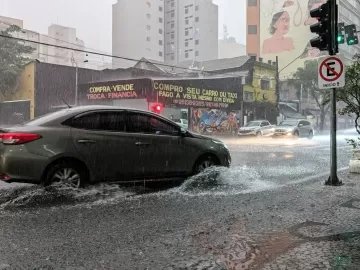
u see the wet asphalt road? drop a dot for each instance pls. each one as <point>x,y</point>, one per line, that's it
<point>112,227</point>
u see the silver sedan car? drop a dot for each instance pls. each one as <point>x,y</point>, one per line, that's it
<point>294,128</point>
<point>83,145</point>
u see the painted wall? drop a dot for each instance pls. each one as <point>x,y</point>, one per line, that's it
<point>26,87</point>
<point>266,72</point>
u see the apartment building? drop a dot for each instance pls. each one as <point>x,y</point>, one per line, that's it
<point>57,35</point>
<point>168,31</point>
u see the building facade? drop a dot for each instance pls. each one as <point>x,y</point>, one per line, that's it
<point>168,31</point>
<point>272,21</point>
<point>57,35</point>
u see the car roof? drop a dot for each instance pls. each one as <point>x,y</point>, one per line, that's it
<point>61,115</point>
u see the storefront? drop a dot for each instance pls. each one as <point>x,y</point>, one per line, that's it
<point>214,102</point>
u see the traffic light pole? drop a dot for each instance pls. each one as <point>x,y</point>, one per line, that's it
<point>333,49</point>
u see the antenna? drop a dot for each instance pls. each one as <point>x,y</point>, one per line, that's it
<point>66,103</point>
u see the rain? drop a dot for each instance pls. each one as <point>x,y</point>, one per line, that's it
<point>179,134</point>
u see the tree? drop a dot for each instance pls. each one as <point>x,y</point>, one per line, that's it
<point>350,93</point>
<point>12,59</point>
<point>307,77</point>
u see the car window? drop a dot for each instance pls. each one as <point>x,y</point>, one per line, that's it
<point>177,121</point>
<point>142,123</point>
<point>185,121</point>
<point>107,121</point>
<point>265,123</point>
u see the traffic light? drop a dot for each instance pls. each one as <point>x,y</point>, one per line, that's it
<point>341,33</point>
<point>156,108</point>
<point>322,27</point>
<point>351,34</point>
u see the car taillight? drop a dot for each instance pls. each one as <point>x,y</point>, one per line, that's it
<point>18,138</point>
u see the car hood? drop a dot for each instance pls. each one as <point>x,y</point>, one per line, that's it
<point>203,137</point>
<point>284,127</point>
<point>248,128</point>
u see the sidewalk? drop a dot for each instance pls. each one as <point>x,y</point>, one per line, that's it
<point>312,226</point>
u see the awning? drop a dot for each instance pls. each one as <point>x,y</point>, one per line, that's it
<point>289,112</point>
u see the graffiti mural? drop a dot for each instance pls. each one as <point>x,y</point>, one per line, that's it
<point>214,121</point>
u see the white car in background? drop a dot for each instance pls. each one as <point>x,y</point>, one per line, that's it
<point>182,123</point>
<point>257,128</point>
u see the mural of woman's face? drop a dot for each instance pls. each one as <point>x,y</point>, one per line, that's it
<point>313,52</point>
<point>283,24</point>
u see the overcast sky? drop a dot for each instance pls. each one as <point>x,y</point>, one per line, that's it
<point>92,18</point>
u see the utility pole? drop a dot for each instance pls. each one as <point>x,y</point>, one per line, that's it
<point>327,40</point>
<point>333,50</point>
<point>76,78</point>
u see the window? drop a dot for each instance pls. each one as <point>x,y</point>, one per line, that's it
<point>186,21</point>
<point>172,35</point>
<point>197,42</point>
<point>252,3</point>
<point>186,10</point>
<point>196,8</point>
<point>172,57</point>
<point>252,29</point>
<point>265,84</point>
<point>172,4</point>
<point>197,19</point>
<point>142,123</point>
<point>160,42</point>
<point>160,8</point>
<point>172,25</point>
<point>264,124</point>
<point>186,32</point>
<point>106,121</point>
<point>148,27</point>
<point>148,4</point>
<point>249,96</point>
<point>186,43</point>
<point>197,53</point>
<point>160,53</point>
<point>172,14</point>
<point>148,16</point>
<point>160,20</point>
<point>148,39</point>
<point>186,55</point>
<point>160,31</point>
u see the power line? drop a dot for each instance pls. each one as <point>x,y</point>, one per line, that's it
<point>90,52</point>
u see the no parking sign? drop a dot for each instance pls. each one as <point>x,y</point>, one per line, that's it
<point>331,72</point>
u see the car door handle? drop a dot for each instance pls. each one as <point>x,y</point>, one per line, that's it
<point>142,144</point>
<point>86,141</point>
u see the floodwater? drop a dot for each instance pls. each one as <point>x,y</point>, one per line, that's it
<point>211,182</point>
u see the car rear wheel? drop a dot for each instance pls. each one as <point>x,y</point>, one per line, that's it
<point>204,163</point>
<point>258,134</point>
<point>66,174</point>
<point>296,134</point>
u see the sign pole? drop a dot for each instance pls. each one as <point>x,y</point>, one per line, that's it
<point>333,179</point>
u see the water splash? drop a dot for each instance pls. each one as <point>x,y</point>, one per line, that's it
<point>224,181</point>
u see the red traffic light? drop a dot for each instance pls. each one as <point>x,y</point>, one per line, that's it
<point>157,108</point>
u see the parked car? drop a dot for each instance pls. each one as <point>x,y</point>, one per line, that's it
<point>84,145</point>
<point>294,128</point>
<point>182,123</point>
<point>257,128</point>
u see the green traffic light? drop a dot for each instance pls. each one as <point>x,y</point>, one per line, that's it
<point>350,42</point>
<point>341,39</point>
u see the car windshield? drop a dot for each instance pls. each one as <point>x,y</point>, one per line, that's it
<point>253,124</point>
<point>185,122</point>
<point>288,123</point>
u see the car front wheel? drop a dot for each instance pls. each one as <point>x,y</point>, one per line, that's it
<point>204,163</point>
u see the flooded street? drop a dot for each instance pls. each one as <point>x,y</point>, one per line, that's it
<point>217,219</point>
